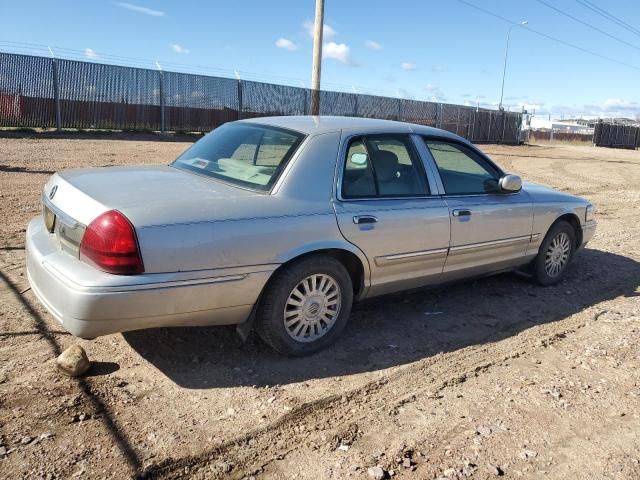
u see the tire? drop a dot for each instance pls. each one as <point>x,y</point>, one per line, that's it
<point>555,254</point>
<point>314,319</point>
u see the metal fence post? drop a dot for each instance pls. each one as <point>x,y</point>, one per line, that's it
<point>473,127</point>
<point>162,116</point>
<point>520,127</point>
<point>56,93</point>
<point>239,99</point>
<point>306,101</point>
<point>100,108</point>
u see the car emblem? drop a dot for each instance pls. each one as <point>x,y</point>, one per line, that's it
<point>53,191</point>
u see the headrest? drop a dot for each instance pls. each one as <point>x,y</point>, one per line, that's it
<point>386,165</point>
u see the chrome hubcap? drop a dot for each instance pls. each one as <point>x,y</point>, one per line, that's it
<point>557,254</point>
<point>312,308</point>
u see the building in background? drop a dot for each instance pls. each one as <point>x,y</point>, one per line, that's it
<point>543,129</point>
<point>561,126</point>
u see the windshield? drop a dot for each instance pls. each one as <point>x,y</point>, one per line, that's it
<point>242,153</point>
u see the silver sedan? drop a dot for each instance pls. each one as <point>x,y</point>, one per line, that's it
<point>284,222</point>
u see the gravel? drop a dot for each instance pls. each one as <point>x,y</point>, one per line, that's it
<point>504,367</point>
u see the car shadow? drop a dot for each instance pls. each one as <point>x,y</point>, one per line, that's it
<point>392,330</point>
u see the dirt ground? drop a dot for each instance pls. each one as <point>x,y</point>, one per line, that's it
<point>493,377</point>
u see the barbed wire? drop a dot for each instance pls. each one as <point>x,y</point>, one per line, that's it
<point>101,57</point>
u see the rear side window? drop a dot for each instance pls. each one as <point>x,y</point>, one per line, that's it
<point>359,179</point>
<point>383,166</point>
<point>462,170</point>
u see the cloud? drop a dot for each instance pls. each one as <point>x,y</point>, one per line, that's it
<point>179,49</point>
<point>408,66</point>
<point>435,93</point>
<point>328,32</point>
<point>286,44</point>
<point>404,93</point>
<point>611,107</point>
<point>140,9</point>
<point>516,103</point>
<point>474,100</point>
<point>337,51</point>
<point>439,68</point>
<point>619,105</point>
<point>477,103</point>
<point>531,106</point>
<point>373,45</point>
<point>90,53</point>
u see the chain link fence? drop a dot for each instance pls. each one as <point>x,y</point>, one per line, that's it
<point>616,135</point>
<point>41,92</point>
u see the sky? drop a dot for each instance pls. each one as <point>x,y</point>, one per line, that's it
<point>444,50</point>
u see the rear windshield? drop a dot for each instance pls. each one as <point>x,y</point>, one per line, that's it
<point>242,153</point>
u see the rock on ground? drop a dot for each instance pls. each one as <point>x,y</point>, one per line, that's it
<point>73,361</point>
<point>377,473</point>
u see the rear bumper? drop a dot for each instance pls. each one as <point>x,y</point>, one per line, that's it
<point>90,303</point>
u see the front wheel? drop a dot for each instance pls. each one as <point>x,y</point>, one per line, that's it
<point>555,253</point>
<point>305,306</point>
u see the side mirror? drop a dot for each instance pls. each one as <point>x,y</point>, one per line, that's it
<point>510,183</point>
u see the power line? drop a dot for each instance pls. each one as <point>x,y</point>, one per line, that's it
<point>549,37</point>
<point>587,24</point>
<point>612,18</point>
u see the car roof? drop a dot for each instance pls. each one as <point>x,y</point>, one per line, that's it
<point>308,125</point>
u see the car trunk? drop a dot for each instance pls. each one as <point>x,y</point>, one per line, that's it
<point>146,195</point>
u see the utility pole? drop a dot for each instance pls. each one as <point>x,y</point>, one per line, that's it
<point>506,54</point>
<point>317,58</point>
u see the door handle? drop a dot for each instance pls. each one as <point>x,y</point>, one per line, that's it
<point>460,212</point>
<point>362,219</point>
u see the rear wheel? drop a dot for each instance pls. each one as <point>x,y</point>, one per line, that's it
<point>555,253</point>
<point>305,306</point>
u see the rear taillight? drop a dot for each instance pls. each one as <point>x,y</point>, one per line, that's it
<point>110,243</point>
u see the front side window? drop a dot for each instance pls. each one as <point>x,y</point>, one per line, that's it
<point>244,154</point>
<point>383,166</point>
<point>462,170</point>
